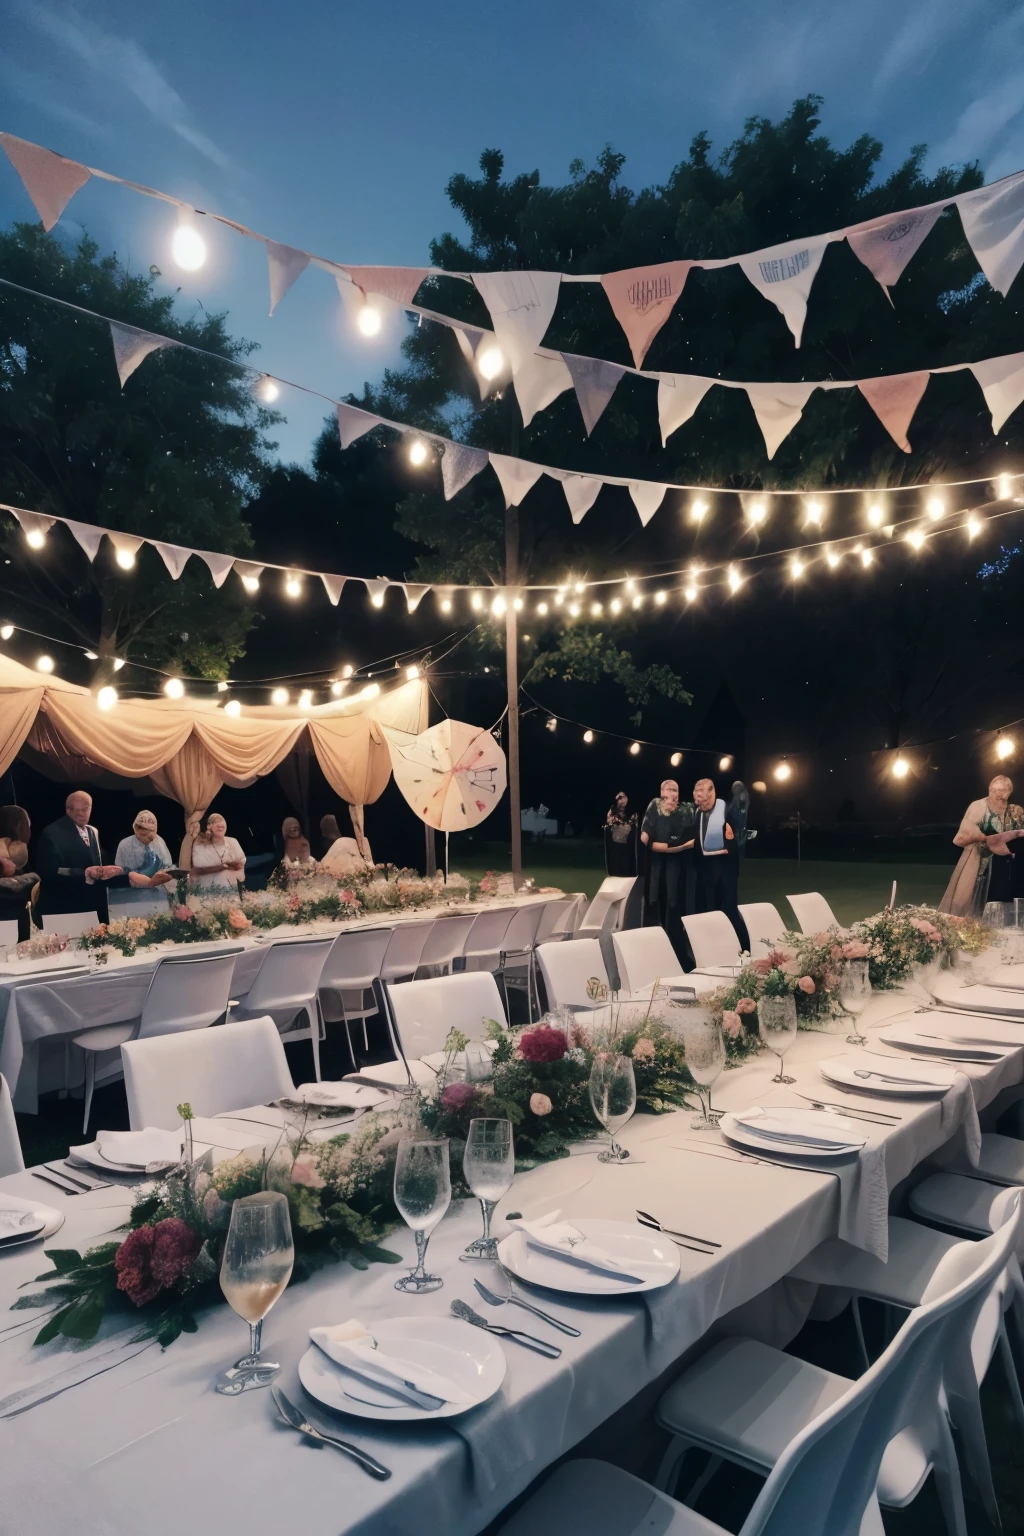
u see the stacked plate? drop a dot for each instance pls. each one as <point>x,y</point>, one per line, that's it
<point>151,1151</point>
<point>926,1042</point>
<point>889,1075</point>
<point>420,1356</point>
<point>589,1256</point>
<point>800,1132</point>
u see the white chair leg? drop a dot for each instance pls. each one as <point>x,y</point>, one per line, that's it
<point>1010,1368</point>
<point>67,1068</point>
<point>694,1492</point>
<point>313,1014</point>
<point>667,1475</point>
<point>90,1083</point>
<point>858,1328</point>
<point>947,1482</point>
<point>970,1427</point>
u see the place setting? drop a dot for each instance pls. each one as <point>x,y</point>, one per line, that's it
<point>26,1221</point>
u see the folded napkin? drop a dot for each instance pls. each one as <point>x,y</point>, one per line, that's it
<point>350,1344</point>
<point>150,1149</point>
<point>806,1127</point>
<point>568,1242</point>
<point>334,1096</point>
<point>18,1223</point>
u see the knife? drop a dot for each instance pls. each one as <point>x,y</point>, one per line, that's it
<point>465,1311</point>
<point>58,1183</point>
<point>84,1181</point>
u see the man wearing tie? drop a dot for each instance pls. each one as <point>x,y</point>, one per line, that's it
<point>716,855</point>
<point>72,875</point>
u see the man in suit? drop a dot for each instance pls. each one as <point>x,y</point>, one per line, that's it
<point>666,826</point>
<point>72,874</point>
<point>716,855</point>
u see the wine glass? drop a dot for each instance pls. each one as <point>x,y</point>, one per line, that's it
<point>256,1267</point>
<point>776,1024</point>
<point>488,1163</point>
<point>423,1192</point>
<point>704,1047</point>
<point>613,1099</point>
<point>855,994</point>
<point>994,914</point>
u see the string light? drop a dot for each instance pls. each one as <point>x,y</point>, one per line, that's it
<point>1004,487</point>
<point>91,656</point>
<point>476,602</point>
<point>973,526</point>
<point>734,579</point>
<point>876,515</point>
<point>490,361</point>
<point>125,559</point>
<point>35,538</point>
<point>588,737</point>
<point>174,688</point>
<point>6,631</point>
<point>867,557</point>
<point>916,539</point>
<point>377,600</point>
<point>724,764</point>
<point>690,592</point>
<point>118,663</point>
<point>698,511</point>
<point>222,687</point>
<point>347,670</point>
<point>498,606</point>
<point>574,610</point>
<point>293,586</point>
<point>637,602</point>
<point>1005,747</point>
<point>542,609</point>
<point>551,724</point>
<point>814,512</point>
<point>596,610</point>
<point>251,583</point>
<point>900,768</point>
<point>517,604</point>
<point>580,586</point>
<point>268,389</point>
<point>661,598</point>
<point>233,708</point>
<point>412,673</point>
<point>337,689</point>
<point>107,697</point>
<point>832,558</point>
<point>188,247</point>
<point>417,452</point>
<point>796,567</point>
<point>369,319</point>
<point>305,698</point>
<point>783,772</point>
<point>629,585</point>
<point>936,509</point>
<point>756,513</point>
<point>446,605</point>
<point>279,697</point>
<point>676,759</point>
<point>634,750</point>
<point>44,664</point>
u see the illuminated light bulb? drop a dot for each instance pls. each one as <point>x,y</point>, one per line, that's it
<point>596,610</point>
<point>542,609</point>
<point>476,602</point>
<point>1004,487</point>
<point>638,601</point>
<point>251,583</point>
<point>44,664</point>
<point>188,248</point>
<point>580,586</point>
<point>337,689</point>
<point>91,656</point>
<point>574,610</point>
<point>490,361</point>
<point>615,606</point>
<point>222,687</point>
<point>107,697</point>
<point>551,724</point>
<point>233,708</point>
<point>813,513</point>
<point>517,604</point>
<point>370,692</point>
<point>629,584</point>
<point>900,768</point>
<point>125,559</point>
<point>118,663</point>
<point>446,605</point>
<point>418,452</point>
<point>368,320</point>
<point>690,593</point>
<point>305,698</point>
<point>347,670</point>
<point>293,586</point>
<point>1005,747</point>
<point>8,630</point>
<point>876,515</point>
<point>973,526</point>
<point>377,600</point>
<point>916,539</point>
<point>698,511</point>
<point>756,513</point>
<point>888,529</point>
<point>279,697</point>
<point>832,558</point>
<point>735,580</point>
<point>35,538</point>
<point>936,508</point>
<point>634,750</point>
<point>867,557</point>
<point>588,737</point>
<point>724,763</point>
<point>174,688</point>
<point>498,606</point>
<point>268,389</point>
<point>412,672</point>
<point>783,772</point>
<point>796,568</point>
<point>661,598</point>
<point>676,759</point>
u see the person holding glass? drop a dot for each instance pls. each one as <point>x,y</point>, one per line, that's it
<point>988,868</point>
<point>145,859</point>
<point>218,862</point>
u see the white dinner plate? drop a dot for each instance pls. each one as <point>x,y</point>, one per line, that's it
<point>92,1157</point>
<point>909,1039</point>
<point>745,1136</point>
<point>469,1357</point>
<point>50,1220</point>
<point>964,1029</point>
<point>630,1245</point>
<point>984,998</point>
<point>842,1070</point>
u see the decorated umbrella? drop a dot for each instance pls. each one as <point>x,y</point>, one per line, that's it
<point>453,774</point>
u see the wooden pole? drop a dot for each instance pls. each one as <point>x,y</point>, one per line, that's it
<point>512,684</point>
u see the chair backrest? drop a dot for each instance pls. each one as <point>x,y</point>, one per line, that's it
<point>553,917</point>
<point>8,934</point>
<point>487,935</point>
<point>289,973</point>
<point>642,955</point>
<point>424,1011</point>
<point>402,955</point>
<point>606,909</point>
<point>764,925</point>
<point>813,913</point>
<point>446,938</point>
<point>70,924</point>
<point>356,958</point>
<point>214,1070</point>
<point>522,931</point>
<point>825,1478</point>
<point>187,992</point>
<point>11,1160</point>
<point>567,967</point>
<point>712,938</point>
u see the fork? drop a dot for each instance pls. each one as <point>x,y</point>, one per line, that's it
<point>500,1301</point>
<point>647,1220</point>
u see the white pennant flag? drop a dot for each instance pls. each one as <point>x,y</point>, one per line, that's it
<point>219,565</point>
<point>784,274</point>
<point>414,593</point>
<point>353,423</point>
<point>32,522</point>
<point>284,264</point>
<point>521,305</point>
<point>50,180</point>
<point>333,586</point>
<point>125,544</point>
<point>538,381</point>
<point>647,498</point>
<point>594,382</point>
<point>376,586</point>
<point>459,464</point>
<point>778,408</point>
<point>1002,384</point>
<point>248,572</point>
<point>993,220</point>
<point>87,535</point>
<point>131,347</point>
<point>581,491</point>
<point>679,395</point>
<point>174,556</point>
<point>517,476</point>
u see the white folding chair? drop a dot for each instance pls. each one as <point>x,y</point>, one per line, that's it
<point>645,955</point>
<point>518,951</point>
<point>185,992</point>
<point>402,955</point>
<point>744,1401</point>
<point>421,1014</point>
<point>764,925</point>
<point>69,924</point>
<point>716,949</point>
<point>8,934</point>
<point>566,968</point>
<point>285,987</point>
<point>607,908</point>
<point>11,1160</point>
<point>213,1070</point>
<point>349,972</point>
<point>486,938</point>
<point>813,913</point>
<point>561,917</point>
<point>443,944</point>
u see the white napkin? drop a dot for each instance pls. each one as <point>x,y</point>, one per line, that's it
<point>335,1096</point>
<point>150,1149</point>
<point>563,1238</point>
<point>351,1344</point>
<point>810,1128</point>
<point>18,1223</point>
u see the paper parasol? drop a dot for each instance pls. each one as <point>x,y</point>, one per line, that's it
<point>453,774</point>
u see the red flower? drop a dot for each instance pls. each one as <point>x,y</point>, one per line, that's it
<point>542,1044</point>
<point>459,1096</point>
<point>153,1258</point>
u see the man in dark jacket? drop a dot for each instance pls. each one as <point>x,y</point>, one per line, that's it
<point>667,826</point>
<point>716,855</point>
<point>71,871</point>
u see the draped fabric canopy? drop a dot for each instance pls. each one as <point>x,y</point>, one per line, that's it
<point>189,748</point>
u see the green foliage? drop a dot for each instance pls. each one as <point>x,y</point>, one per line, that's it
<point>588,656</point>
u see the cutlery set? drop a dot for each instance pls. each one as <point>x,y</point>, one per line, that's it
<point>77,1183</point>
<point>708,1247</point>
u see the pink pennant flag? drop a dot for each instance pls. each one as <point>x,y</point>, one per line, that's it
<point>679,395</point>
<point>784,274</point>
<point>594,382</point>
<point>517,476</point>
<point>353,423</point>
<point>993,220</point>
<point>539,380</point>
<point>219,565</point>
<point>894,400</point>
<point>647,498</point>
<point>174,556</point>
<point>642,299</point>
<point>132,347</point>
<point>284,264</point>
<point>778,408</point>
<point>459,464</point>
<point>50,180</point>
<point>581,491</point>
<point>333,587</point>
<point>87,535</point>
<point>1002,384</point>
<point>886,245</point>
<point>397,283</point>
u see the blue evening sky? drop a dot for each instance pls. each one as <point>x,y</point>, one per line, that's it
<point>334,127</point>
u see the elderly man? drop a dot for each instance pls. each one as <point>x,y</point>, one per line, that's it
<point>72,874</point>
<point>666,827</point>
<point>716,855</point>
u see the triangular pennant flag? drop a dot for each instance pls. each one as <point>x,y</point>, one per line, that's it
<point>131,347</point>
<point>87,535</point>
<point>894,399</point>
<point>993,220</point>
<point>32,522</point>
<point>1002,384</point>
<point>517,476</point>
<point>521,305</point>
<point>643,298</point>
<point>784,274</point>
<point>396,283</point>
<point>679,395</point>
<point>126,544</point>
<point>778,408</point>
<point>376,586</point>
<point>333,586</point>
<point>469,339</point>
<point>219,565</point>
<point>581,491</point>
<point>284,264</point>
<point>538,381</point>
<point>414,592</point>
<point>594,382</point>
<point>647,498</point>
<point>353,423</point>
<point>886,245</point>
<point>459,464</point>
<point>50,180</point>
<point>249,574</point>
<point>174,556</point>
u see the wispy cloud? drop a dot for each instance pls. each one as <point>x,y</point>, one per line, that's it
<point>39,93</point>
<point>982,124</point>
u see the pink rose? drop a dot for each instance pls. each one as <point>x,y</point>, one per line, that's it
<point>540,1104</point>
<point>238,920</point>
<point>304,1172</point>
<point>746,1005</point>
<point>806,984</point>
<point>856,949</point>
<point>644,1049</point>
<point>822,938</point>
<point>732,1024</point>
<point>183,914</point>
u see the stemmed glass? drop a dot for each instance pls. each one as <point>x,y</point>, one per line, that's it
<point>776,1024</point>
<point>855,994</point>
<point>704,1048</point>
<point>613,1099</point>
<point>488,1163</point>
<point>423,1192</point>
<point>256,1267</point>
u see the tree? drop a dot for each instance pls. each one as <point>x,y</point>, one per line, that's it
<point>175,455</point>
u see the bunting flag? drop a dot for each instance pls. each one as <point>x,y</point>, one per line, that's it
<point>249,571</point>
<point>784,274</point>
<point>778,408</point>
<point>642,298</point>
<point>679,395</point>
<point>538,381</point>
<point>647,498</point>
<point>377,586</point>
<point>894,400</point>
<point>581,491</point>
<point>219,565</point>
<point>459,464</point>
<point>333,586</point>
<point>32,522</point>
<point>126,543</point>
<point>50,180</point>
<point>516,476</point>
<point>88,536</point>
<point>1002,384</point>
<point>993,220</point>
<point>285,264</point>
<point>521,305</point>
<point>396,283</point>
<point>353,423</point>
<point>886,245</point>
<point>414,593</point>
<point>174,556</point>
<point>131,347</point>
<point>594,382</point>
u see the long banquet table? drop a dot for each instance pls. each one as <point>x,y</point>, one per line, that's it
<point>123,1438</point>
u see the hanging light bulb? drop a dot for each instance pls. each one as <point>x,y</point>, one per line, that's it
<point>698,511</point>
<point>814,513</point>
<point>267,389</point>
<point>517,604</point>
<point>7,630</point>
<point>796,567</point>
<point>490,360</point>
<point>690,592</point>
<point>368,319</point>
<point>596,610</point>
<point>900,768</point>
<point>1005,747</point>
<point>337,689</point>
<point>293,585</point>
<point>446,605</point>
<point>615,606</point>
<point>118,663</point>
<point>832,558</point>
<point>638,601</point>
<point>973,526</point>
<point>476,602</point>
<point>174,688</point>
<point>498,606</point>
<point>44,664</point>
<point>417,452</point>
<point>783,772</point>
<point>279,697</point>
<point>574,610</point>
<point>305,698</point>
<point>629,585</point>
<point>222,687</point>
<point>661,598</point>
<point>867,557</point>
<point>916,539</point>
<point>91,656</point>
<point>1004,487</point>
<point>734,579</point>
<point>588,737</point>
<point>188,246</point>
<point>107,697</point>
<point>936,509</point>
<point>757,511</point>
<point>725,763</point>
<point>542,609</point>
<point>412,673</point>
<point>251,583</point>
<point>125,559</point>
<point>634,750</point>
<point>876,515</point>
<point>233,708</point>
<point>580,586</point>
<point>676,759</point>
<point>347,670</point>
<point>35,538</point>
<point>560,596</point>
<point>377,600</point>
<point>551,724</point>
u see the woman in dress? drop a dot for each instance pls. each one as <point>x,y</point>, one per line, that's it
<point>218,862</point>
<point>620,837</point>
<point>294,845</point>
<point>145,859</point>
<point>987,868</point>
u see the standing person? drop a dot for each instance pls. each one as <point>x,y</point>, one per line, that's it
<point>329,834</point>
<point>666,826</point>
<point>145,858</point>
<point>988,869</point>
<point>620,837</point>
<point>218,862</point>
<point>72,875</point>
<point>16,881</point>
<point>294,844</point>
<point>740,806</point>
<point>716,855</point>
